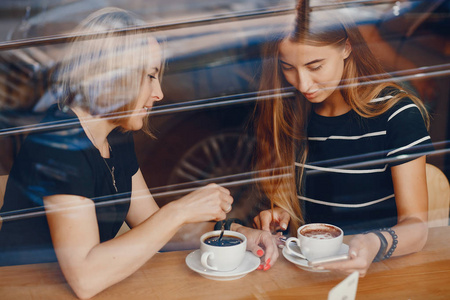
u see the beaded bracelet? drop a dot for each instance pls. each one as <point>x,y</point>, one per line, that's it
<point>381,252</point>
<point>394,242</point>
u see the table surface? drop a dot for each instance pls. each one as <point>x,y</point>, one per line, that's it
<point>422,275</point>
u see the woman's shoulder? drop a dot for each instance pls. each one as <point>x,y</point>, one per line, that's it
<point>60,129</point>
<point>404,113</point>
<point>397,100</point>
<point>58,140</point>
<point>401,97</point>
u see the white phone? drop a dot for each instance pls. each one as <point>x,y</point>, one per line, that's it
<point>328,259</point>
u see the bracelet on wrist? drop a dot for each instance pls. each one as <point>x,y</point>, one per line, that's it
<point>383,245</point>
<point>382,253</point>
<point>394,241</point>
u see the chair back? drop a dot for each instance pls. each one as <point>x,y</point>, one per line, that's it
<point>438,197</point>
<point>3,181</point>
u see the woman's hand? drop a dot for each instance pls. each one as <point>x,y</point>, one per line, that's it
<point>362,250</point>
<point>261,243</point>
<point>272,220</point>
<point>211,202</point>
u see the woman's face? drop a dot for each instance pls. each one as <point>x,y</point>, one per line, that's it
<point>150,90</point>
<point>313,71</point>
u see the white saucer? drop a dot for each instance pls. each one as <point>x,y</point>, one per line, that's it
<point>249,264</point>
<point>303,263</point>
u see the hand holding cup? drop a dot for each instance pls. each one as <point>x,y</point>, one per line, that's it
<point>316,240</point>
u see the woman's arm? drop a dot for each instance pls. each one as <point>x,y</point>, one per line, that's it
<point>90,266</point>
<point>142,204</point>
<point>411,197</point>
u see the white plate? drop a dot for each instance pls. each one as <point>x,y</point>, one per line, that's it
<point>249,264</point>
<point>303,263</point>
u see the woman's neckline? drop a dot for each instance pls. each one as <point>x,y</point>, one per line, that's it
<point>96,130</point>
<point>331,119</point>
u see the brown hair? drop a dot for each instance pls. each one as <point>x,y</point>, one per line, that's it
<point>281,120</point>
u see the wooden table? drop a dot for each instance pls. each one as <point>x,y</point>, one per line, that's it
<point>423,275</point>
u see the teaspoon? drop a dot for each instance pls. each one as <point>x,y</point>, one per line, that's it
<point>222,231</point>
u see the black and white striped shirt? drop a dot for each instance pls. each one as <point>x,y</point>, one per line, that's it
<point>348,179</point>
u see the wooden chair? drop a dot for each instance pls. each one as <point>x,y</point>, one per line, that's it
<point>3,181</point>
<point>438,197</point>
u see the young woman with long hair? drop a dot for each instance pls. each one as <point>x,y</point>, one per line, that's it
<point>340,142</point>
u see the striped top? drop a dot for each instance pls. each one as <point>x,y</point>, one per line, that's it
<point>348,178</point>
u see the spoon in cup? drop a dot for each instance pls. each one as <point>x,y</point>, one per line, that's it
<point>222,230</point>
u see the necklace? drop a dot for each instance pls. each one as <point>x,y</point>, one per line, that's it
<point>111,170</point>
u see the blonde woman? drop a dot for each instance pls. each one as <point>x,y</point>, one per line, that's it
<point>81,167</point>
<point>346,147</point>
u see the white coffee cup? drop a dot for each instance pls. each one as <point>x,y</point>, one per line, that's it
<point>316,240</point>
<point>222,258</point>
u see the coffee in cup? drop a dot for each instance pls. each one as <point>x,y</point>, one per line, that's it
<point>316,240</point>
<point>225,241</point>
<point>225,254</point>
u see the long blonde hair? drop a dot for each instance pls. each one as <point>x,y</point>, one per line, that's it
<point>281,120</point>
<point>104,67</point>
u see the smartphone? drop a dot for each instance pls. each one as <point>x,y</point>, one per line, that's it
<point>328,259</point>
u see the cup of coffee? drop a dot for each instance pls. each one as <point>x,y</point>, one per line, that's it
<point>316,240</point>
<point>225,254</point>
